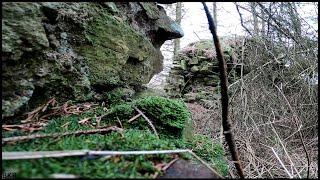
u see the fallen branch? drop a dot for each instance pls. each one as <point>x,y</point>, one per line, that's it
<point>41,154</point>
<point>13,125</point>
<point>46,154</point>
<point>147,119</point>
<point>54,135</point>
<point>24,127</point>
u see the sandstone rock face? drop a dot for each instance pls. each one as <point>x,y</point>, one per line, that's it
<point>74,51</point>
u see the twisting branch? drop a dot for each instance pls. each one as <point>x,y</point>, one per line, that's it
<point>278,26</point>
<point>241,20</point>
<point>224,94</point>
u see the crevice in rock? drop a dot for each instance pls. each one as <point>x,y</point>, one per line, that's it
<point>133,61</point>
<point>157,37</point>
<point>98,88</point>
<point>50,14</point>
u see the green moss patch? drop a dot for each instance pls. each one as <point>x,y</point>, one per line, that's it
<point>125,166</point>
<point>118,95</point>
<point>169,117</point>
<point>209,151</point>
<point>112,42</point>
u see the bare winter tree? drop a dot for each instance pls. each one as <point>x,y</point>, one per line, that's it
<point>255,19</point>
<point>275,105</point>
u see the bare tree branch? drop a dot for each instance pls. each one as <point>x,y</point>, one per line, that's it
<point>241,20</point>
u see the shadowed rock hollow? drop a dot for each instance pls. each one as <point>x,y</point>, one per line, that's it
<point>79,51</point>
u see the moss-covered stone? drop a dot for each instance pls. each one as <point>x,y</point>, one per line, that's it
<point>199,67</point>
<point>118,95</point>
<point>194,61</point>
<point>168,116</point>
<point>74,50</point>
<point>183,65</point>
<point>22,30</point>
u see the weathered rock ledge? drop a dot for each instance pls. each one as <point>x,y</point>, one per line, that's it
<point>78,51</point>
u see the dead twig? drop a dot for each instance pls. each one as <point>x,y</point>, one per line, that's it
<point>206,164</point>
<point>84,121</point>
<point>23,127</point>
<point>148,120</point>
<point>164,167</point>
<point>134,118</point>
<point>119,122</point>
<point>280,141</point>
<point>35,136</point>
<point>169,164</point>
<point>284,167</point>
<point>297,120</point>
<point>99,118</point>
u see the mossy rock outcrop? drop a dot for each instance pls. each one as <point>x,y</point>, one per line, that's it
<point>76,51</point>
<point>196,67</point>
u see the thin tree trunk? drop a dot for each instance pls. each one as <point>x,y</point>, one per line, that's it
<point>178,21</point>
<point>263,24</point>
<point>215,14</point>
<point>295,19</point>
<point>255,19</point>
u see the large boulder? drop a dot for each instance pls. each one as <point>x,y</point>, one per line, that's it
<point>74,51</point>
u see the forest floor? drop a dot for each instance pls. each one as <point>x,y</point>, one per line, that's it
<point>90,126</point>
